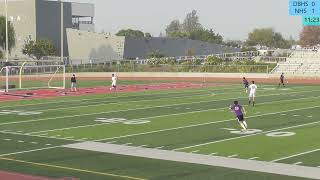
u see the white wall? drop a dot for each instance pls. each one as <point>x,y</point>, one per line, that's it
<point>85,46</point>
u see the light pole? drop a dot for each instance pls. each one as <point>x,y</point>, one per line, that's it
<point>62,31</point>
<point>7,38</point>
<point>7,33</point>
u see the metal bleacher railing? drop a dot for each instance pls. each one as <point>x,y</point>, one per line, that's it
<point>300,62</point>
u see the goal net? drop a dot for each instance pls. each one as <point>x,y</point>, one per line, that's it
<point>32,77</point>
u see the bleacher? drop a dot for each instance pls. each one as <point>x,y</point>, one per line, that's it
<point>300,62</point>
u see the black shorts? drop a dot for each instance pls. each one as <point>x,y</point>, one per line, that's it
<point>246,86</point>
<point>240,118</point>
<point>282,81</point>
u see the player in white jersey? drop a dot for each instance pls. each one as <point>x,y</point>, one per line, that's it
<point>113,82</point>
<point>252,93</point>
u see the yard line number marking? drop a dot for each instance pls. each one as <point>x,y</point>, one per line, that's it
<point>19,113</point>
<point>254,131</point>
<point>121,120</point>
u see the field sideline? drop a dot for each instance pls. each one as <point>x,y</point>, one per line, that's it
<point>284,128</point>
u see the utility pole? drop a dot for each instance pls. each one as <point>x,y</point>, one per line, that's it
<point>62,32</point>
<point>7,38</point>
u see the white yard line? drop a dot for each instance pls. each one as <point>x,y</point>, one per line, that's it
<point>295,155</point>
<point>195,151</point>
<point>119,103</point>
<point>75,127</point>
<point>253,158</point>
<point>297,163</point>
<point>184,113</point>
<point>232,156</point>
<point>240,137</point>
<point>40,136</point>
<point>89,114</point>
<point>99,104</point>
<point>201,124</point>
<point>23,152</point>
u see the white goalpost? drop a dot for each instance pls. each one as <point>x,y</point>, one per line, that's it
<point>27,77</point>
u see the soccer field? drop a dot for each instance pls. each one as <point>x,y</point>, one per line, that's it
<point>284,128</point>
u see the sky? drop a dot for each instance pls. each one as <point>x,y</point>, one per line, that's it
<point>233,19</point>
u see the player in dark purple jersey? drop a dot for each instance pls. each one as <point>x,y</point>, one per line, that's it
<point>239,112</point>
<point>246,84</point>
<point>282,80</point>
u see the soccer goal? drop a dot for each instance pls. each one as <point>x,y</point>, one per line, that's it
<point>27,77</point>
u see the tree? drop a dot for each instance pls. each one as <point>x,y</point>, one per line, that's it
<point>155,54</point>
<point>1,54</point>
<point>234,43</point>
<point>192,29</point>
<point>130,33</point>
<point>179,34</point>
<point>206,36</point>
<point>213,60</point>
<point>248,48</point>
<point>263,36</point>
<point>173,27</point>
<point>11,34</point>
<point>267,37</point>
<point>310,36</point>
<point>191,22</point>
<point>148,35</point>
<point>39,48</point>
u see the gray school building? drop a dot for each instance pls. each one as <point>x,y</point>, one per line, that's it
<point>36,19</point>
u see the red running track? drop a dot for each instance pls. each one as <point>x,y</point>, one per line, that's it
<point>51,93</point>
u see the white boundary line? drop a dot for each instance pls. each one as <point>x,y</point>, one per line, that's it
<point>295,155</point>
<point>89,114</point>
<point>240,137</point>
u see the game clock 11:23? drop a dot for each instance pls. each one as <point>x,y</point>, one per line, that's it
<point>312,19</point>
